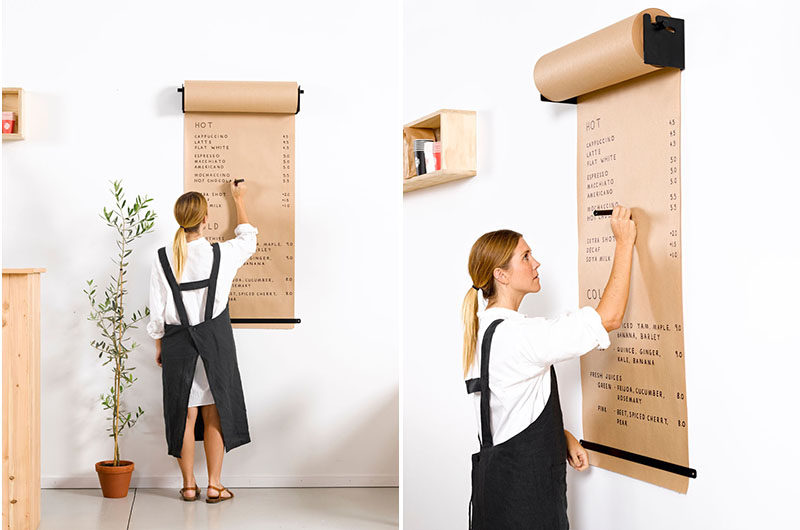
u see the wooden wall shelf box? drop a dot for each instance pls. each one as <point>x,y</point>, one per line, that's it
<point>456,130</point>
<point>12,100</point>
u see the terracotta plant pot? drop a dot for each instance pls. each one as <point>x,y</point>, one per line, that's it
<point>114,480</point>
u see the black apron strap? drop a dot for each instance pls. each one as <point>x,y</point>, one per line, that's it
<point>473,385</point>
<point>191,286</point>
<point>212,282</point>
<point>173,285</point>
<point>486,415</point>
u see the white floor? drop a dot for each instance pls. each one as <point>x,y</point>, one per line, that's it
<point>256,508</point>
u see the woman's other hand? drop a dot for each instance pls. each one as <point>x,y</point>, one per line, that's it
<point>158,352</point>
<point>577,456</point>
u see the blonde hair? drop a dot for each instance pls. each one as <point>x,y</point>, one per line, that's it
<point>490,251</point>
<point>190,210</point>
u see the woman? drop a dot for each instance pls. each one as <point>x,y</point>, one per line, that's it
<point>519,475</point>
<point>191,323</point>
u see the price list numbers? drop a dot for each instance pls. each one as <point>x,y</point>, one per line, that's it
<point>673,193</point>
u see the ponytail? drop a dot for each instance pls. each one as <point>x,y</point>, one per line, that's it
<point>469,316</point>
<point>179,253</point>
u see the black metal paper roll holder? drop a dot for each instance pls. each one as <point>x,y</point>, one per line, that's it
<point>183,98</point>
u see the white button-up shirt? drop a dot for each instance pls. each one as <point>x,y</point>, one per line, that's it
<point>522,351</point>
<point>199,258</point>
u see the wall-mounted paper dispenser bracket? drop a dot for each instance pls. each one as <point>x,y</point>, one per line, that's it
<point>570,100</point>
<point>662,42</point>
<point>300,91</point>
<point>183,102</point>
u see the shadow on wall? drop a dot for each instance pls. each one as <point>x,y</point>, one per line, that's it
<point>375,433</point>
<point>168,101</point>
<point>380,427</point>
<point>69,365</point>
<point>69,374</point>
<point>146,443</point>
<point>289,448</point>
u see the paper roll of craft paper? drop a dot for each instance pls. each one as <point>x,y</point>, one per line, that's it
<point>628,152</point>
<point>604,58</point>
<point>261,97</point>
<point>245,130</point>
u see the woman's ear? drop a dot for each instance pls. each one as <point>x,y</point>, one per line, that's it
<point>500,276</point>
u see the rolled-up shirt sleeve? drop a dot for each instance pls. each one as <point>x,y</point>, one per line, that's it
<point>244,244</point>
<point>547,341</point>
<point>157,301</point>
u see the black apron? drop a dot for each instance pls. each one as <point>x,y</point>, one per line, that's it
<point>522,482</point>
<point>212,340</point>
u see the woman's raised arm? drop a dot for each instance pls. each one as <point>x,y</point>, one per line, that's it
<point>615,296</point>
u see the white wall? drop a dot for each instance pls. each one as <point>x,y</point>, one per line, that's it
<point>740,252</point>
<point>101,83</point>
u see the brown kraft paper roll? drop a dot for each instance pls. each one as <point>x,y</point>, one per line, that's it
<point>604,58</point>
<point>260,97</point>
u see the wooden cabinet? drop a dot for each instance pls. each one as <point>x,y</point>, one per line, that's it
<point>21,424</point>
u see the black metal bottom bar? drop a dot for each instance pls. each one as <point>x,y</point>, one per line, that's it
<point>265,321</point>
<point>641,459</point>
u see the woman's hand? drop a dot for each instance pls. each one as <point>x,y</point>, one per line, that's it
<point>623,226</point>
<point>238,191</point>
<point>577,456</point>
<point>158,352</point>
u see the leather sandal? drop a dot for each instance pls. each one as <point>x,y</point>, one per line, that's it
<point>218,497</point>
<point>196,493</point>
